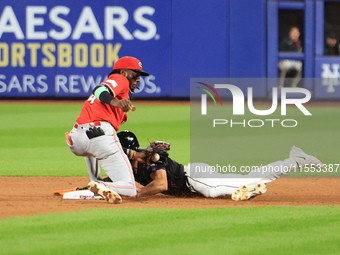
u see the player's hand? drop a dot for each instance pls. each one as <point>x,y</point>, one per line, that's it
<point>124,104</point>
<point>138,191</point>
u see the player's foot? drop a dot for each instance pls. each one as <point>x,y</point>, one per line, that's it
<point>100,189</point>
<point>246,192</point>
<point>303,159</point>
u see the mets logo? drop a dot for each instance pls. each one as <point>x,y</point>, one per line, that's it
<point>330,78</point>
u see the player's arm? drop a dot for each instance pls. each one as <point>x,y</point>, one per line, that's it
<point>158,184</point>
<point>104,95</point>
<point>159,178</point>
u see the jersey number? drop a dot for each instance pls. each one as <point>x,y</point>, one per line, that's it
<point>91,99</point>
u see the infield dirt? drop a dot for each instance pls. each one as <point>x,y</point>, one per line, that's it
<point>24,196</point>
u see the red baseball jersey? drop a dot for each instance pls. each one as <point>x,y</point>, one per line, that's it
<point>94,110</point>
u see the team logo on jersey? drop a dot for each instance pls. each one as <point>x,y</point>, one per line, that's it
<point>112,82</point>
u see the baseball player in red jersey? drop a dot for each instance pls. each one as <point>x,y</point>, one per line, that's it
<point>94,133</point>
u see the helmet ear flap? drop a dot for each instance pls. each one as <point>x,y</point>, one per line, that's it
<point>128,140</point>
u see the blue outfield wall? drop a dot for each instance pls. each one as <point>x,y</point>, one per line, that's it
<point>65,48</point>
<point>68,47</point>
<point>200,42</point>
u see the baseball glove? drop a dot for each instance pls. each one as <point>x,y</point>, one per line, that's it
<point>157,154</point>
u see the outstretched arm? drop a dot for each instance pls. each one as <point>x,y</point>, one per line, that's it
<point>158,184</point>
<point>159,178</point>
<point>104,95</point>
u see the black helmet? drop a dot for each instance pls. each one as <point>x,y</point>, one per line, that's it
<point>128,140</point>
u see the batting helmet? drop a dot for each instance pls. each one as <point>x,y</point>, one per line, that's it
<point>128,140</point>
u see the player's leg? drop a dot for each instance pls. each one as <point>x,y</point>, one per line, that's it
<point>255,182</point>
<point>93,168</point>
<point>119,169</point>
<point>210,187</point>
<point>270,172</point>
<point>77,141</point>
<point>212,184</point>
<point>298,159</point>
<point>208,183</point>
<point>113,161</point>
<point>110,195</point>
<point>303,159</point>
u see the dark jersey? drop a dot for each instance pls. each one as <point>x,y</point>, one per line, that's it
<point>177,181</point>
<point>289,46</point>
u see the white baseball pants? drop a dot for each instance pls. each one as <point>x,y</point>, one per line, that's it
<point>215,184</point>
<point>108,152</point>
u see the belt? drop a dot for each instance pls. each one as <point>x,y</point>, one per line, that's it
<point>92,124</point>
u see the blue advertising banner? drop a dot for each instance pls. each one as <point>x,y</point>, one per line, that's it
<point>327,73</point>
<point>66,48</point>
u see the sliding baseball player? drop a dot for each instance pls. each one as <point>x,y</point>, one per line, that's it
<point>160,174</point>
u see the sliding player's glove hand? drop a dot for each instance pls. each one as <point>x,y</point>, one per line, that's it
<point>157,154</point>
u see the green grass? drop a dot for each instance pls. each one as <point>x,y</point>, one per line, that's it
<point>32,138</point>
<point>276,230</point>
<point>246,146</point>
<point>32,144</point>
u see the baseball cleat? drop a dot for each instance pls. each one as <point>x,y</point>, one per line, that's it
<point>246,192</point>
<point>303,159</point>
<point>100,189</point>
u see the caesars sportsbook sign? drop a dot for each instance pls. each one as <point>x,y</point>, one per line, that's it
<point>69,48</point>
